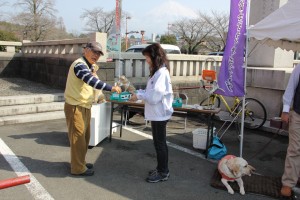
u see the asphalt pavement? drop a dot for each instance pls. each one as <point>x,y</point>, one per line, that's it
<point>121,165</point>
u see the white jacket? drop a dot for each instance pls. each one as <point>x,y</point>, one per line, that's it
<point>158,96</point>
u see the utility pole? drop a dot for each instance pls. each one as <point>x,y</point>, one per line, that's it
<point>169,25</point>
<point>126,33</point>
<point>142,33</point>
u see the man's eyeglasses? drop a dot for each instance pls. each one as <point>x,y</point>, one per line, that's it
<point>98,53</point>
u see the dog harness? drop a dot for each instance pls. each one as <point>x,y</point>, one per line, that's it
<point>228,157</point>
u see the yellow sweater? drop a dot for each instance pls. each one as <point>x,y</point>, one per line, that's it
<point>78,92</point>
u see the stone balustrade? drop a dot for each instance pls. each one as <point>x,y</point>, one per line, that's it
<point>68,48</point>
<point>133,65</point>
<point>48,62</point>
<point>55,47</point>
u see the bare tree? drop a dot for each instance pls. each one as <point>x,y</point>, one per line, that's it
<point>59,31</point>
<point>192,32</point>
<point>206,33</point>
<point>2,4</point>
<point>219,23</point>
<point>98,20</point>
<point>37,18</point>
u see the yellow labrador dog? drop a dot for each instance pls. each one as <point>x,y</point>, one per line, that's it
<point>232,168</point>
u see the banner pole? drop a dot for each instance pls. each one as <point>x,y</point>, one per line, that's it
<point>245,79</point>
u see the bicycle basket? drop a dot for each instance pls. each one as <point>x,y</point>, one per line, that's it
<point>209,75</point>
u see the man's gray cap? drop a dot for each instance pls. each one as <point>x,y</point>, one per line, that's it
<point>95,46</point>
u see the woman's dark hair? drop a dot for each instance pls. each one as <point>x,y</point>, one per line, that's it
<point>158,57</point>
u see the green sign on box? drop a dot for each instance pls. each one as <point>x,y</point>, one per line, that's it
<point>123,96</point>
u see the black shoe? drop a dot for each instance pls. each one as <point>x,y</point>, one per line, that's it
<point>88,172</point>
<point>157,177</point>
<point>151,172</point>
<point>89,165</point>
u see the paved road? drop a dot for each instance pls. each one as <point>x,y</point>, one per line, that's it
<point>121,166</point>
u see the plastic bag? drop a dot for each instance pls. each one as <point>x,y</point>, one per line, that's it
<point>217,149</point>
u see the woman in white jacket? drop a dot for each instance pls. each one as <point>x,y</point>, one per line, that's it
<point>158,98</point>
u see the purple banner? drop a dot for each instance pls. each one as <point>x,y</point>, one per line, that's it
<point>231,76</point>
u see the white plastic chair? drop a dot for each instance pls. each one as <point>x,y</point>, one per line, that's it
<point>185,99</point>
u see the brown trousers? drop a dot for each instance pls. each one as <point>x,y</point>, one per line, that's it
<point>78,121</point>
<point>292,160</point>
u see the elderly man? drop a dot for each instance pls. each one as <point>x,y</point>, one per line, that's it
<point>80,86</point>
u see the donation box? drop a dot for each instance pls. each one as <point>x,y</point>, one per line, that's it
<point>100,122</point>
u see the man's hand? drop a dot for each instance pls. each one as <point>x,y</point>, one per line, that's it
<point>133,98</point>
<point>116,89</point>
<point>285,117</point>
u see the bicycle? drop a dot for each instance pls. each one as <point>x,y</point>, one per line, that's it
<point>255,114</point>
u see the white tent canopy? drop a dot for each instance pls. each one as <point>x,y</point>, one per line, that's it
<point>281,28</point>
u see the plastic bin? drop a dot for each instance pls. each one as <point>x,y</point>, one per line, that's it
<point>200,138</point>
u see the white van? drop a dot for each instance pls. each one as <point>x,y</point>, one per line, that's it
<point>169,48</point>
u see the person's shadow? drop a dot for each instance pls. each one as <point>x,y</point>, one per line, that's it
<point>45,166</point>
<point>48,138</point>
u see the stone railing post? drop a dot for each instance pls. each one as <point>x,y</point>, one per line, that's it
<point>10,46</point>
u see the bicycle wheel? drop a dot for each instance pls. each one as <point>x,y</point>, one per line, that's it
<point>213,100</point>
<point>255,114</point>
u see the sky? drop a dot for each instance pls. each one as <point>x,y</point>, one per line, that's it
<point>152,16</point>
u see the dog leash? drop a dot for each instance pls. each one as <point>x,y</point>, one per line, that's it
<point>260,150</point>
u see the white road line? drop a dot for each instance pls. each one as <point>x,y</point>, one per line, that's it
<point>175,146</point>
<point>34,187</point>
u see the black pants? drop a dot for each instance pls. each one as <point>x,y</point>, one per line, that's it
<point>160,144</point>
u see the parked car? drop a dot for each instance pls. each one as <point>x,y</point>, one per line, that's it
<point>216,53</point>
<point>170,49</point>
